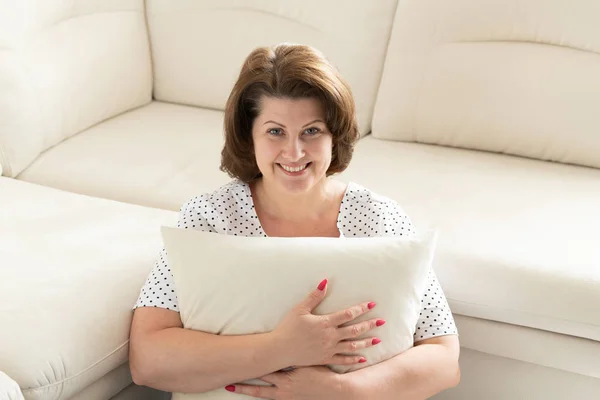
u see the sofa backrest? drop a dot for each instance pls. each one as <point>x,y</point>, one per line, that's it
<point>65,66</point>
<point>519,76</point>
<point>198,46</point>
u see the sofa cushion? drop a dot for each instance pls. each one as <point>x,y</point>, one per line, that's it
<point>519,238</point>
<point>568,353</point>
<point>65,66</point>
<point>159,155</point>
<point>198,46</point>
<point>519,78</point>
<point>72,266</point>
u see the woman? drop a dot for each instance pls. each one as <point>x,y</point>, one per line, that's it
<point>289,125</point>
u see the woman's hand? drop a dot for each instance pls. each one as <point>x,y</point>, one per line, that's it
<point>306,383</point>
<point>307,340</point>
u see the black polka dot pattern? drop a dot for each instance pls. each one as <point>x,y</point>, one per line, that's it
<point>230,210</point>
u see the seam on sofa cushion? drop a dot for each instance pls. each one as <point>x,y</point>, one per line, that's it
<point>518,312</point>
<point>4,169</point>
<point>61,382</point>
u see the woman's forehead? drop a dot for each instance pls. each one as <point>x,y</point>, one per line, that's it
<point>293,110</point>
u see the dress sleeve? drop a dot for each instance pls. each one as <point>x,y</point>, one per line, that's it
<point>159,289</point>
<point>435,318</point>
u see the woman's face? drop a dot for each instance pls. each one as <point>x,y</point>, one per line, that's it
<point>292,144</point>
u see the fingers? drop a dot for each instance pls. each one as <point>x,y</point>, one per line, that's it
<point>259,392</point>
<point>356,330</point>
<point>273,379</point>
<point>347,360</point>
<point>315,297</point>
<point>350,314</point>
<point>352,346</point>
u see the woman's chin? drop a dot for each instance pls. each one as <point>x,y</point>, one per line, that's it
<point>295,185</point>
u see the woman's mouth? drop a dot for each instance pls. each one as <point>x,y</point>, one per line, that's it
<point>294,170</point>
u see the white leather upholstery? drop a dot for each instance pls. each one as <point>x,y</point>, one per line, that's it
<point>504,362</point>
<point>518,77</point>
<point>107,386</point>
<point>62,71</point>
<point>111,386</point>
<point>198,46</point>
<point>519,247</point>
<point>72,267</point>
<point>159,155</point>
<point>489,377</point>
<point>134,392</point>
<point>568,353</point>
<point>518,239</point>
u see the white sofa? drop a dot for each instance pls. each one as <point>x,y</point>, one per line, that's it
<point>478,116</point>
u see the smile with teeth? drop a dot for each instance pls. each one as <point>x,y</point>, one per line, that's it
<point>294,169</point>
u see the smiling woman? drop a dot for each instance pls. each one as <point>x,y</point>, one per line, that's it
<point>272,83</point>
<point>290,125</point>
<point>293,148</point>
<point>299,150</point>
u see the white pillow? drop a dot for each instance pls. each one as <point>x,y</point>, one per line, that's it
<point>232,285</point>
<point>9,389</point>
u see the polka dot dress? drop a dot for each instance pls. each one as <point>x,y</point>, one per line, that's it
<point>230,210</point>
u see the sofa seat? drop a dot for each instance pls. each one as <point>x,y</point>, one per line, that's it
<point>158,155</point>
<point>519,240</point>
<point>72,268</point>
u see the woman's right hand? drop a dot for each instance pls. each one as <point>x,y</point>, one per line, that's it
<point>309,339</point>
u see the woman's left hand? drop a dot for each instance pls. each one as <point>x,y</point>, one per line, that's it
<point>306,383</point>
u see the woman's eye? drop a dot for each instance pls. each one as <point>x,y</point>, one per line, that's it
<point>274,131</point>
<point>312,131</point>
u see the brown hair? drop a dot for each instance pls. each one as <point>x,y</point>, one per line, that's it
<point>286,71</point>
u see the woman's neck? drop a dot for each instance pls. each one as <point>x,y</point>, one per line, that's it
<point>313,205</point>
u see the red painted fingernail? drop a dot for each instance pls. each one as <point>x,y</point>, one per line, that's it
<point>376,341</point>
<point>371,305</point>
<point>380,322</point>
<point>362,360</point>
<point>230,388</point>
<point>322,284</point>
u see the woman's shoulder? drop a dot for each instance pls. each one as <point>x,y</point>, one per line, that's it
<point>233,194</point>
<point>358,194</point>
<point>381,213</point>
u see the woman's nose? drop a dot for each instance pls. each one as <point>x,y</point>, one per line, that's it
<point>294,149</point>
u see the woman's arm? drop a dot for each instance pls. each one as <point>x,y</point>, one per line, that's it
<point>426,369</point>
<point>429,367</point>
<point>165,356</point>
